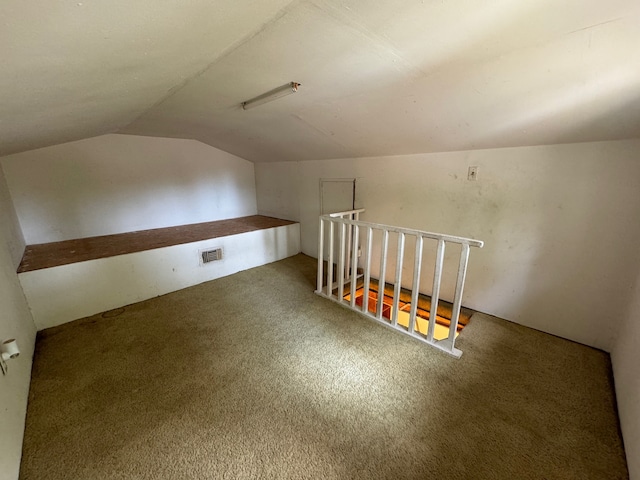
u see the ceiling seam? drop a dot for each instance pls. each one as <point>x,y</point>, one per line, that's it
<point>329,135</point>
<point>350,22</point>
<point>228,51</point>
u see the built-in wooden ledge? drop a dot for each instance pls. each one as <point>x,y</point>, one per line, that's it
<point>47,255</point>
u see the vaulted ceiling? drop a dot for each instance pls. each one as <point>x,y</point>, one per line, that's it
<point>378,77</point>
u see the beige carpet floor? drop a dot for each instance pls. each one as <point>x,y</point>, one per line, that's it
<point>254,376</point>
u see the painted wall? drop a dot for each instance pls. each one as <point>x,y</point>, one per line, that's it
<point>559,223</point>
<point>15,322</point>
<point>122,183</point>
<point>277,190</point>
<point>625,358</point>
<point>62,294</point>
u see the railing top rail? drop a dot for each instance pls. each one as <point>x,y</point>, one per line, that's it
<point>335,217</point>
<point>342,214</point>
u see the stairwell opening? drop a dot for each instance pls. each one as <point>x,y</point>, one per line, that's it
<point>423,311</point>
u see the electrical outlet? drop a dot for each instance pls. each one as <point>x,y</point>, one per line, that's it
<point>473,174</point>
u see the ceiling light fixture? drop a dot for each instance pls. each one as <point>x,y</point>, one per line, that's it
<point>284,90</point>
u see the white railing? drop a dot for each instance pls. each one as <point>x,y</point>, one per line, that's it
<point>347,239</point>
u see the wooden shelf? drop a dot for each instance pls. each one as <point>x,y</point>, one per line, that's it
<point>47,255</point>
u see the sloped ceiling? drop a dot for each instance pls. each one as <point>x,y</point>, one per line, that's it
<point>378,78</point>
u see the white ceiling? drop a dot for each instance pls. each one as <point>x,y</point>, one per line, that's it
<point>378,78</point>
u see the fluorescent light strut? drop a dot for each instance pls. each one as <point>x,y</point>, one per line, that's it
<point>284,90</point>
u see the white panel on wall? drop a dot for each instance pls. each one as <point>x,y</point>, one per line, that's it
<point>625,358</point>
<point>559,223</point>
<point>15,322</point>
<point>122,183</point>
<point>13,240</point>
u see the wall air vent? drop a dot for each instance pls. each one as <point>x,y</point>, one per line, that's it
<point>210,255</point>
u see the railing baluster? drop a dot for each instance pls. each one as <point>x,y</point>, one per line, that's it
<point>347,261</point>
<point>398,285</point>
<point>457,300</point>
<point>354,266</point>
<point>354,252</point>
<point>383,272</point>
<point>340,269</point>
<point>330,264</point>
<point>435,292</point>
<point>367,271</point>
<point>320,255</point>
<point>417,267</point>
<point>347,270</point>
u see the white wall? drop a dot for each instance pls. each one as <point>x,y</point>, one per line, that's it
<point>559,223</point>
<point>15,322</point>
<point>121,183</point>
<point>277,187</point>
<point>62,294</point>
<point>625,358</point>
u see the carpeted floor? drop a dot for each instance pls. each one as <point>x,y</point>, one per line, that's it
<point>254,376</point>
